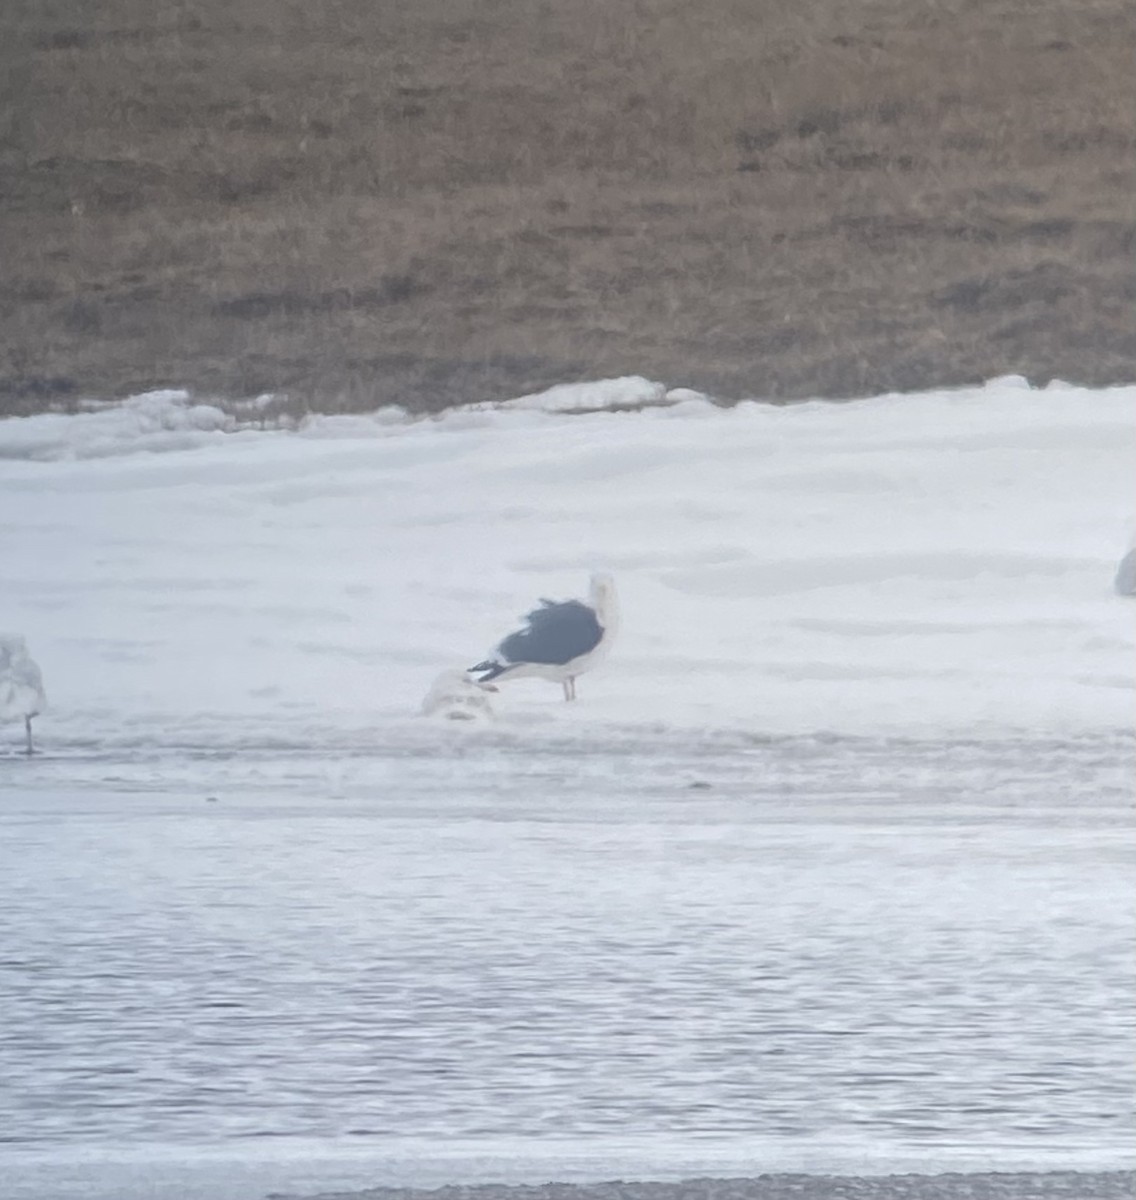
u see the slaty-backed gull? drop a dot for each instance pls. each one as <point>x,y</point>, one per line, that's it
<point>561,640</point>
<point>21,684</point>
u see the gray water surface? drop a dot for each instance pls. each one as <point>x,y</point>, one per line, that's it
<point>796,955</point>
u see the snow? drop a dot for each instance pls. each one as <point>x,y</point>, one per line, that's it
<point>916,564</point>
<point>630,392</point>
<point>156,421</point>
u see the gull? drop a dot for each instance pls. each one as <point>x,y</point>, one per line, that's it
<point>21,684</point>
<point>1125,580</point>
<point>456,697</point>
<point>560,640</point>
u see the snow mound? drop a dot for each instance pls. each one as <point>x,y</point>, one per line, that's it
<point>153,422</point>
<point>605,395</point>
<point>164,421</point>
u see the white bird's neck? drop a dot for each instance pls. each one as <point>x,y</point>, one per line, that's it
<point>607,611</point>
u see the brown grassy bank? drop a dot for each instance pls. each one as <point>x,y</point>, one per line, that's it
<point>361,202</point>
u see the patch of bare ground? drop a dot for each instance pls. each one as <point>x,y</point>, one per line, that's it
<point>358,203</point>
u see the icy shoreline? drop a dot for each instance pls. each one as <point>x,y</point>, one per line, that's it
<point>1049,1185</point>
<point>157,1181</point>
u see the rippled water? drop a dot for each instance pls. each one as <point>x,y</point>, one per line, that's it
<point>897,948</point>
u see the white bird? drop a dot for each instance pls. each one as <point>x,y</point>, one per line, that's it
<point>456,697</point>
<point>1125,579</point>
<point>560,640</point>
<point>21,684</point>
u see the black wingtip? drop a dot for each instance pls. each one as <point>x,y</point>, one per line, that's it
<point>491,669</point>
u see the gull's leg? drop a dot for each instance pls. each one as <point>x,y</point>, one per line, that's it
<point>571,687</point>
<point>564,686</point>
<point>28,733</point>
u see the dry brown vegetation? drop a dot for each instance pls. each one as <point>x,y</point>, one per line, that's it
<point>359,201</point>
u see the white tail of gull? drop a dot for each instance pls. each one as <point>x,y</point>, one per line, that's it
<point>560,641</point>
<point>21,684</point>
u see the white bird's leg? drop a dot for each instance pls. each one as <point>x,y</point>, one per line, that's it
<point>28,733</point>
<point>570,688</point>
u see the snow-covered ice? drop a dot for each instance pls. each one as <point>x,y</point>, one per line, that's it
<point>938,562</point>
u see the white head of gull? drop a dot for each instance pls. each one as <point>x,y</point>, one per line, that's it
<point>21,684</point>
<point>560,640</point>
